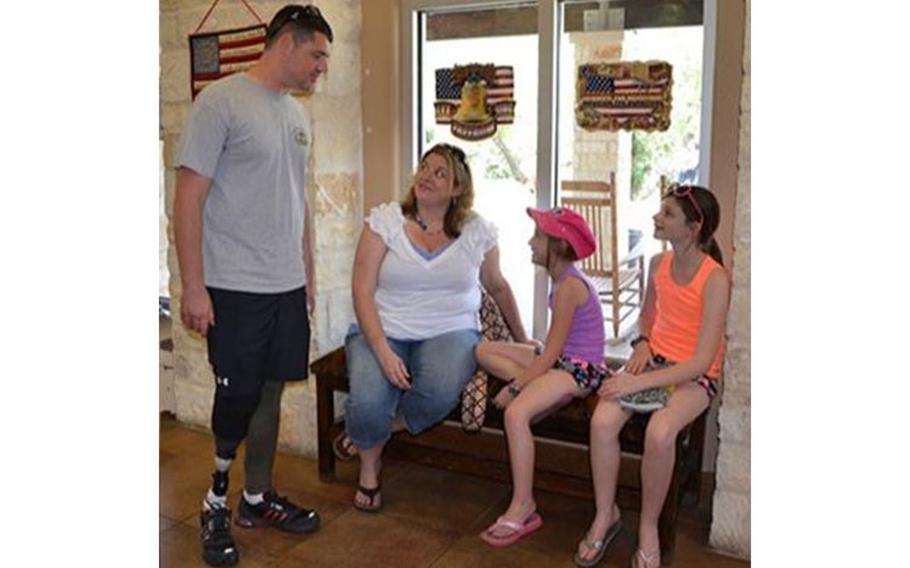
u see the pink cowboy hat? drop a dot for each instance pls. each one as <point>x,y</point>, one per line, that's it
<point>563,223</point>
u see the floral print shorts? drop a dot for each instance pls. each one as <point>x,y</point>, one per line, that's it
<point>587,375</point>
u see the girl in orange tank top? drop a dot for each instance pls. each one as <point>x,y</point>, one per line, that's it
<point>673,371</point>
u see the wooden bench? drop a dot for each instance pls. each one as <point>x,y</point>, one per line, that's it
<point>563,462</point>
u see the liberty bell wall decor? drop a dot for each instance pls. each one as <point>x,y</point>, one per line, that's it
<point>473,99</point>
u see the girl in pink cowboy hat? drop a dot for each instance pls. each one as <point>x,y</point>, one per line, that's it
<point>571,364</point>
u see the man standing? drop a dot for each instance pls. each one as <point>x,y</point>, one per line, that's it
<point>244,238</point>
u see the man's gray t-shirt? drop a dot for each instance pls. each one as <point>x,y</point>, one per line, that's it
<point>254,143</point>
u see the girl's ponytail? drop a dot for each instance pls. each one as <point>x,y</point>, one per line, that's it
<point>713,250</point>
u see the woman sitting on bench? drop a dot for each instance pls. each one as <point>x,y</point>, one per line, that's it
<point>417,297</point>
<point>673,371</point>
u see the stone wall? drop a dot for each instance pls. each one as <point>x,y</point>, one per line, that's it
<point>731,525</point>
<point>335,186</point>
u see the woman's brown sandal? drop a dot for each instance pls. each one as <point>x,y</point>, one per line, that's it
<point>343,447</point>
<point>371,494</point>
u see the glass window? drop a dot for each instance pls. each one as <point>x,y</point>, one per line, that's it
<point>640,161</point>
<point>504,165</point>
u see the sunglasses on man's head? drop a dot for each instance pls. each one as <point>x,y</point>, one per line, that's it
<point>677,190</point>
<point>303,12</point>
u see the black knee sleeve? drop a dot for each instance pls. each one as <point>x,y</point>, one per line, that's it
<point>226,449</point>
<point>231,417</point>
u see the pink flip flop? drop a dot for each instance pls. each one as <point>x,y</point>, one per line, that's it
<point>519,530</point>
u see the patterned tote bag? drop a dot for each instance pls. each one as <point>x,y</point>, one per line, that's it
<point>474,397</point>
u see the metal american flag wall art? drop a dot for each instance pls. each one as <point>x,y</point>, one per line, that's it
<point>217,54</point>
<point>474,99</point>
<point>632,95</point>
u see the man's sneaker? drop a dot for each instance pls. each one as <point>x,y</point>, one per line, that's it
<point>647,400</point>
<point>217,545</point>
<point>278,512</point>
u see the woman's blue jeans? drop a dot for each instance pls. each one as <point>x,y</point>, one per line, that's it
<point>440,367</point>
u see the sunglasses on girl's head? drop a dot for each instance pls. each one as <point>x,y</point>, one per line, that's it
<point>455,150</point>
<point>677,190</point>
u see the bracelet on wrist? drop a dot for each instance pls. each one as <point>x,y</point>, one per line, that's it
<point>638,340</point>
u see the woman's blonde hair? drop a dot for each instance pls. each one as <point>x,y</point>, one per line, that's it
<point>459,210</point>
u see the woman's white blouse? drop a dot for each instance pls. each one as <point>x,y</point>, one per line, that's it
<point>419,298</point>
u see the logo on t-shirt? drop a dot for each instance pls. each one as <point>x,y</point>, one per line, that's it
<point>300,136</point>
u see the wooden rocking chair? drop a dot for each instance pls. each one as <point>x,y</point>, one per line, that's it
<point>620,282</point>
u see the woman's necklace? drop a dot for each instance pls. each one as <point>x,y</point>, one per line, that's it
<point>423,226</point>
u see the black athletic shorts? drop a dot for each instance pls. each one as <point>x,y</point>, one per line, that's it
<point>258,337</point>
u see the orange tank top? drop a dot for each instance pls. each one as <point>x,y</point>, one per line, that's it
<point>679,312</point>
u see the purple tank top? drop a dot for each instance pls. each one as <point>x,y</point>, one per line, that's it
<point>586,334</point>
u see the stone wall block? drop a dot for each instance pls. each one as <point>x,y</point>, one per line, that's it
<point>340,318</point>
<point>335,258</point>
<point>170,173</point>
<point>737,359</point>
<point>194,403</point>
<point>320,325</point>
<point>737,394</point>
<point>739,320</point>
<point>267,10</point>
<point>171,147</point>
<point>298,418</point>
<point>170,6</point>
<point>224,17</point>
<point>731,529</point>
<point>339,269</point>
<point>191,350</point>
<point>737,390</point>
<point>743,215</point>
<point>343,77</point>
<point>175,76</point>
<point>344,17</point>
<point>735,424</point>
<point>334,315</point>
<point>168,38</point>
<point>745,164</point>
<point>174,269</point>
<point>174,116</point>
<point>734,469</point>
<point>336,194</point>
<point>741,278</point>
<point>337,129</point>
<point>337,231</point>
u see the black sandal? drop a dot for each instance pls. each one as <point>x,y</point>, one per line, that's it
<point>370,494</point>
